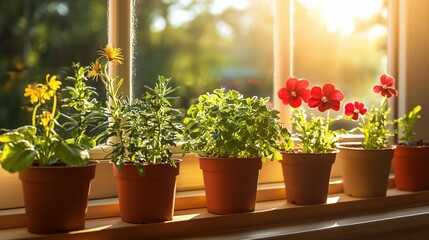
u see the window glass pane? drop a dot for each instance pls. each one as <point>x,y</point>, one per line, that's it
<point>343,42</point>
<point>40,37</point>
<point>205,44</point>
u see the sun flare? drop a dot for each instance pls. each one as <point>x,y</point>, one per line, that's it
<point>339,15</point>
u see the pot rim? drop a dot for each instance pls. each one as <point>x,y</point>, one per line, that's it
<point>412,146</point>
<point>333,151</point>
<point>176,160</point>
<point>357,146</point>
<point>224,158</point>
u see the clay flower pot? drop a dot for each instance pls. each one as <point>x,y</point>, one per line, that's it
<point>230,183</point>
<point>56,197</point>
<point>306,176</point>
<point>148,198</point>
<point>365,172</point>
<point>411,167</point>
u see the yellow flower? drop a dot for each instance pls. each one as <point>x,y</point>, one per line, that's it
<point>37,93</point>
<point>46,118</point>
<point>95,71</point>
<point>113,54</point>
<point>44,92</point>
<point>52,82</point>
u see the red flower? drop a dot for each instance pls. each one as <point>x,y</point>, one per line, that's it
<point>295,92</point>
<point>355,109</point>
<point>325,98</point>
<point>387,86</point>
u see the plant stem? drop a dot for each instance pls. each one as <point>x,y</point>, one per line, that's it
<point>33,119</point>
<point>54,105</point>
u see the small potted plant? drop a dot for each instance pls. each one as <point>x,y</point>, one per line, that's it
<point>307,166</point>
<point>231,134</point>
<point>410,159</point>
<point>366,165</point>
<point>55,174</point>
<point>141,133</point>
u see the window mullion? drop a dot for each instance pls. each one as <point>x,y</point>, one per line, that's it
<point>120,35</point>
<point>282,53</point>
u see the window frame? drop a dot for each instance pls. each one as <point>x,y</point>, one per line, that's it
<point>276,215</point>
<point>120,34</point>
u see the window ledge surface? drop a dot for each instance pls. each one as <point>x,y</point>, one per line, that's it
<point>398,212</point>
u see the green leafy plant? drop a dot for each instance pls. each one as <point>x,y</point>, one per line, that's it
<point>143,130</point>
<point>81,107</point>
<point>405,126</point>
<point>39,143</point>
<point>313,132</point>
<point>225,124</point>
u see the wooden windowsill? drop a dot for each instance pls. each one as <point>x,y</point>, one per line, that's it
<point>271,219</point>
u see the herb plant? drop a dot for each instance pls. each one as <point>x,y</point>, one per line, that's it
<point>83,108</point>
<point>225,124</point>
<point>313,132</point>
<point>39,143</point>
<point>405,126</point>
<point>141,131</point>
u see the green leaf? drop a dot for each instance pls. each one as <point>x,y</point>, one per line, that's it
<point>86,142</point>
<point>140,168</point>
<point>10,137</point>
<point>71,154</point>
<point>17,157</point>
<point>28,129</point>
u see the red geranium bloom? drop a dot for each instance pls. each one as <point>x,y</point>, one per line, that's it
<point>387,86</point>
<point>325,98</point>
<point>354,109</point>
<point>295,92</point>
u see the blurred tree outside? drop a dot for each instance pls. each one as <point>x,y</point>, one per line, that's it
<point>200,44</point>
<point>40,37</point>
<point>202,48</point>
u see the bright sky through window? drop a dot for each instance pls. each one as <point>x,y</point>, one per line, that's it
<point>339,15</point>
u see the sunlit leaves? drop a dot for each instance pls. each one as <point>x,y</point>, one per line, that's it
<point>17,156</point>
<point>70,154</point>
<point>81,108</point>
<point>225,124</point>
<point>144,128</point>
<point>313,132</point>
<point>405,125</point>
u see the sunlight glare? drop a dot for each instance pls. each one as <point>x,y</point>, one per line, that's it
<point>219,6</point>
<point>339,15</point>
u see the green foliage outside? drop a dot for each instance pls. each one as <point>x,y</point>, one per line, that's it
<point>44,36</point>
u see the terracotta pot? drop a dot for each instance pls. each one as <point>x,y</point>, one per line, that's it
<point>230,183</point>
<point>365,172</point>
<point>411,168</point>
<point>148,198</point>
<point>56,197</point>
<point>306,176</point>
